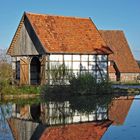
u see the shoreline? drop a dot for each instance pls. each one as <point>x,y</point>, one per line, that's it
<point>18,96</point>
<point>119,89</point>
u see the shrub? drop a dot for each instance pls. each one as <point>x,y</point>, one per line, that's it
<point>83,84</point>
<point>104,87</point>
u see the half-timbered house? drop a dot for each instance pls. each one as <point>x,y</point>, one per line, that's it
<point>45,40</point>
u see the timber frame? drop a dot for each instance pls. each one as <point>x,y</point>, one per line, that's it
<point>28,45</point>
<point>24,72</point>
<point>96,65</point>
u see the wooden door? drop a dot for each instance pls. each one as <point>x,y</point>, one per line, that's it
<point>24,71</point>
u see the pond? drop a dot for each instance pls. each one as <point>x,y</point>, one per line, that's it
<point>102,117</point>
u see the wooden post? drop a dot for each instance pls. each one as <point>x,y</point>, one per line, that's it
<point>29,73</point>
<point>42,70</point>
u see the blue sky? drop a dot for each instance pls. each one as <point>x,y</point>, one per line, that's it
<point>106,14</point>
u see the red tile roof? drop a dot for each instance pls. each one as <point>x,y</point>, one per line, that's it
<point>67,34</point>
<point>60,34</point>
<point>84,131</point>
<point>111,69</point>
<point>119,109</point>
<point>122,54</point>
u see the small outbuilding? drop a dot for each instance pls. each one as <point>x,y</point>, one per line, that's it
<point>42,41</point>
<point>122,65</point>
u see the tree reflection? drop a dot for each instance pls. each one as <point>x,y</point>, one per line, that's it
<point>68,117</point>
<point>87,104</point>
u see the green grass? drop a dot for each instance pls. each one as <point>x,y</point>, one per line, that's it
<point>22,101</point>
<point>15,90</point>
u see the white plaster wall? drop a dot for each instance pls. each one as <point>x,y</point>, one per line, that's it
<point>83,63</point>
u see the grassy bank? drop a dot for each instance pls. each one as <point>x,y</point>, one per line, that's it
<point>6,88</point>
<point>16,90</point>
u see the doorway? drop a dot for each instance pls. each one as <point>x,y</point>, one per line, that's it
<point>35,71</point>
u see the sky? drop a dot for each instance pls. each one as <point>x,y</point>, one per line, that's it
<point>106,14</point>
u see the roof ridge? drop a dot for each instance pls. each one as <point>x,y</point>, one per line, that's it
<point>57,15</point>
<point>112,30</point>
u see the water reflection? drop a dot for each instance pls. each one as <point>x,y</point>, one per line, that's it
<point>119,109</point>
<point>5,133</point>
<point>75,110</point>
<point>78,118</point>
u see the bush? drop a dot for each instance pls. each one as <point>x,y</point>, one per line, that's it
<point>80,85</point>
<point>83,84</point>
<point>104,87</point>
<point>86,84</point>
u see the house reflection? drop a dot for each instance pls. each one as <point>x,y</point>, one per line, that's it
<point>55,120</point>
<point>22,129</point>
<point>119,109</point>
<point>67,112</point>
<point>26,112</point>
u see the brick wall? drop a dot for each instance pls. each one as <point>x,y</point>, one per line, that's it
<point>112,76</point>
<point>125,77</point>
<point>129,77</point>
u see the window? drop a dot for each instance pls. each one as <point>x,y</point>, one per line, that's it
<point>76,57</point>
<point>76,65</point>
<point>92,57</point>
<point>67,58</point>
<point>84,65</point>
<point>68,65</point>
<point>84,58</point>
<point>101,57</point>
<point>92,65</point>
